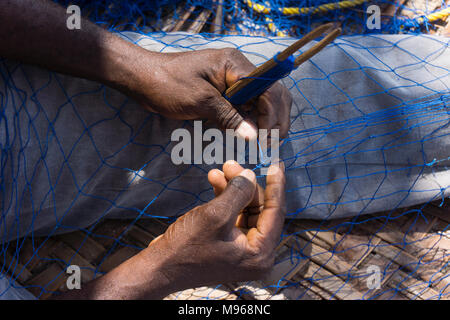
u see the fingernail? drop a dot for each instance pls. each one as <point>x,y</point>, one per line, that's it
<point>230,162</point>
<point>249,175</point>
<point>247,131</point>
<point>276,165</point>
<point>215,171</point>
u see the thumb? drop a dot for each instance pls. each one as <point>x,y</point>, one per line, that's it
<point>229,118</point>
<point>237,195</point>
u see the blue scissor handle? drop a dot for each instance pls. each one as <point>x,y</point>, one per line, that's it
<point>260,84</point>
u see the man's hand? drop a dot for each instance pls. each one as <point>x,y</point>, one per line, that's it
<point>231,238</point>
<point>177,85</point>
<point>189,85</point>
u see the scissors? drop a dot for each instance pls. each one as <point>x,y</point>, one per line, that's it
<point>278,67</point>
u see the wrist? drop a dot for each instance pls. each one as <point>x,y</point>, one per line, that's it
<point>130,68</point>
<point>161,280</point>
<point>143,276</point>
<point>147,275</point>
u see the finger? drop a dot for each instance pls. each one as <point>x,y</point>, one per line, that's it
<point>248,106</point>
<point>285,111</point>
<point>156,239</point>
<point>229,118</point>
<point>276,100</point>
<point>274,107</point>
<point>267,116</point>
<point>238,66</point>
<point>271,219</point>
<point>217,180</point>
<point>236,196</point>
<point>232,169</point>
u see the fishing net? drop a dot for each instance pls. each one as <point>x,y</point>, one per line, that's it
<point>366,156</point>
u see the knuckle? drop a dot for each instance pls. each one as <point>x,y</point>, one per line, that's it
<point>238,62</point>
<point>227,116</point>
<point>255,252</point>
<point>232,52</point>
<point>170,232</point>
<point>242,184</point>
<point>277,188</point>
<point>209,98</point>
<point>214,212</point>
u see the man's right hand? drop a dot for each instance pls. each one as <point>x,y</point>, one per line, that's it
<point>189,85</point>
<point>185,85</point>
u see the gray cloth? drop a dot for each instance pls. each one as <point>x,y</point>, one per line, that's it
<point>75,151</point>
<point>11,290</point>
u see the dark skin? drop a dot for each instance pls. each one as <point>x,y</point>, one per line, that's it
<point>202,246</point>
<point>240,228</point>
<point>186,85</point>
<point>198,85</point>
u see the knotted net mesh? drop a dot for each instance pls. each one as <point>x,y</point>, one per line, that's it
<point>366,156</point>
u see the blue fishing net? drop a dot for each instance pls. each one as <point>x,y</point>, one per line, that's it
<point>366,156</point>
